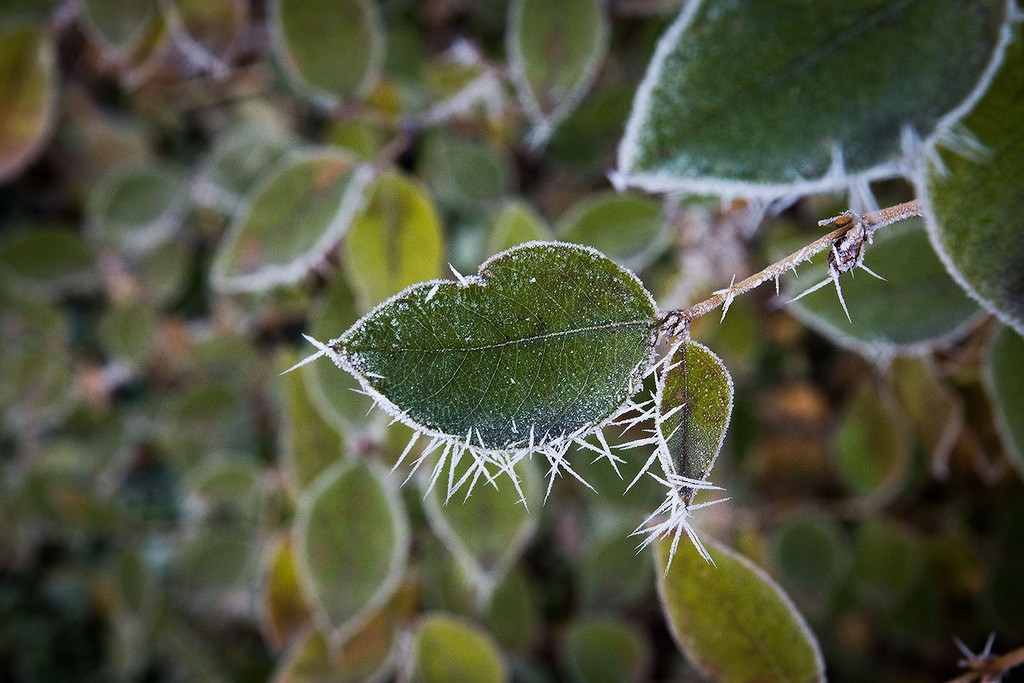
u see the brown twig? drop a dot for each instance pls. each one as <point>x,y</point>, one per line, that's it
<point>990,668</point>
<point>677,321</point>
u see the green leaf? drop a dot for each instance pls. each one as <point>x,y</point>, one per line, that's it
<point>135,208</point>
<point>45,263</point>
<point>516,223</point>
<point>731,620</point>
<point>555,50</point>
<point>748,97</point>
<point>129,332</point>
<point>464,175</point>
<point>513,615</point>
<point>309,444</point>
<point>224,490</point>
<point>237,161</point>
<point>629,229</point>
<point>295,216</point>
<point>352,543</point>
<point>28,97</point>
<point>974,200</point>
<point>887,560</point>
<point>446,648</point>
<point>214,562</point>
<point>934,410</point>
<point>118,25</point>
<point>396,241</point>
<point>696,397</point>
<point>486,530</point>
<point>1004,374</point>
<point>613,574</point>
<point>812,555</point>
<point>546,343</point>
<point>207,30</point>
<point>604,651</point>
<point>332,49</point>
<point>917,307</point>
<point>333,393</point>
<point>284,611</point>
<point>872,451</point>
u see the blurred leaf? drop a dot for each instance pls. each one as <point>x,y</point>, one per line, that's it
<point>613,574</point>
<point>629,229</point>
<point>333,49</point>
<point>887,560</point>
<point>976,199</point>
<point>934,410</point>
<point>284,611</point>
<point>586,141</point>
<point>224,490</point>
<point>513,615</point>
<point>604,651</point>
<point>871,447</point>
<point>238,160</point>
<point>462,174</point>
<point>212,563</point>
<point>813,555</point>
<point>352,542</point>
<point>294,217</point>
<point>446,648</point>
<point>550,302</point>
<point>487,530</point>
<point>1005,380</point>
<point>28,96</point>
<point>45,263</point>
<point>516,223</point>
<point>743,96</point>
<point>128,332</point>
<point>358,137</point>
<point>731,620</point>
<point>135,208</point>
<point>118,25</point>
<point>396,241</point>
<point>20,13</point>
<point>163,273</point>
<point>917,307</point>
<point>697,400</point>
<point>208,30</point>
<point>555,50</point>
<point>309,444</point>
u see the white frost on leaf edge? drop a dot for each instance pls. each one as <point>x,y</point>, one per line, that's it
<point>837,177</point>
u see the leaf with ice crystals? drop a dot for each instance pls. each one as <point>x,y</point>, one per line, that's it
<point>294,217</point>
<point>768,97</point>
<point>976,200</point>
<point>544,345</point>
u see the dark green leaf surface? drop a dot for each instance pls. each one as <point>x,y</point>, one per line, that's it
<point>871,447</point>
<point>45,262</point>
<point>977,204</point>
<point>604,651</point>
<point>732,621</point>
<point>28,96</point>
<point>812,556</point>
<point>236,163</point>
<point>333,49</point>
<point>628,229</point>
<point>449,649</point>
<point>352,544</point>
<point>463,174</point>
<point>701,383</point>
<point>917,307</point>
<point>295,215</point>
<point>117,25</point>
<point>136,207</point>
<point>549,339</point>
<point>762,96</point>
<point>1005,376</point>
<point>209,29</point>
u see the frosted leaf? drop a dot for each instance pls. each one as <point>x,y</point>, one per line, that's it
<point>28,96</point>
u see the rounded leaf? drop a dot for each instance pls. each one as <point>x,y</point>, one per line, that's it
<point>872,451</point>
<point>1004,373</point>
<point>284,611</point>
<point>462,174</point>
<point>516,223</point>
<point>118,25</point>
<point>629,229</point>
<point>731,620</point>
<point>747,97</point>
<point>135,208</point>
<point>28,96</point>
<point>446,648</point>
<point>546,343</point>
<point>207,30</point>
<point>237,162</point>
<point>44,263</point>
<point>974,201</point>
<point>295,216</point>
<point>604,651</point>
<point>332,49</point>
<point>352,542</point>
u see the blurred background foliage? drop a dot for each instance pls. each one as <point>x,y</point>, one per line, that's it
<point>187,185</point>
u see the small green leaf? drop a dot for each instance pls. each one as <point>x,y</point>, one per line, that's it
<point>974,200</point>
<point>555,50</point>
<point>812,555</point>
<point>464,175</point>
<point>129,332</point>
<point>135,208</point>
<point>1004,373</point>
<point>352,542</point>
<point>207,30</point>
<point>935,411</point>
<point>45,263</point>
<point>872,451</point>
<point>118,25</point>
<point>284,610</point>
<point>887,560</point>
<point>309,445</point>
<point>604,651</point>
<point>446,648</point>
<point>214,562</point>
<point>731,620</point>
<point>294,217</point>
<point>333,393</point>
<point>28,96</point>
<point>743,96</point>
<point>697,397</point>
<point>332,49</point>
<point>224,490</point>
<point>237,161</point>
<point>396,241</point>
<point>917,307</point>
<point>546,343</point>
<point>629,229</point>
<point>513,615</point>
<point>486,530</point>
<point>613,574</point>
<point>516,223</point>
